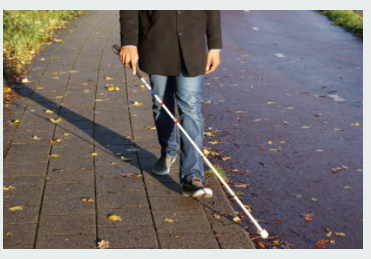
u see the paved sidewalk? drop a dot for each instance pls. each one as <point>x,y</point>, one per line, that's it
<point>70,78</point>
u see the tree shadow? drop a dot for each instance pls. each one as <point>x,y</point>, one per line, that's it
<point>115,139</point>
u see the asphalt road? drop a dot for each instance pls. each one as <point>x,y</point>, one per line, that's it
<point>278,71</point>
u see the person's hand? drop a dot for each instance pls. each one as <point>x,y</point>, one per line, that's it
<point>129,57</point>
<point>212,60</point>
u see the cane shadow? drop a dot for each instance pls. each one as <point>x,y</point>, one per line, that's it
<point>80,122</point>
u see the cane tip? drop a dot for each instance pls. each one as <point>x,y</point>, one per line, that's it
<point>264,233</point>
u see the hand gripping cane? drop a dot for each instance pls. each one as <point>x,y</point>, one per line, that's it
<point>262,232</point>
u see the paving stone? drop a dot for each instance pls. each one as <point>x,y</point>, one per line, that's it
<point>26,158</point>
<point>82,133</point>
<point>70,176</point>
<point>117,161</point>
<point>129,237</point>
<point>45,127</point>
<point>175,204</point>
<point>70,125</point>
<point>123,119</point>
<point>114,200</point>
<point>111,113</point>
<point>71,163</point>
<point>112,139</point>
<point>22,198</point>
<point>70,152</point>
<point>188,241</point>
<point>119,184</point>
<point>19,235</point>
<point>129,216</point>
<point>66,242</point>
<point>28,148</point>
<point>28,138</point>
<point>114,171</point>
<point>24,170</point>
<point>102,106</point>
<point>113,129</point>
<point>163,189</point>
<point>67,225</point>
<point>24,183</point>
<point>68,206</point>
<point>185,223</point>
<point>113,150</point>
<point>68,190</point>
<point>29,214</point>
<point>172,177</point>
<point>145,134</point>
<point>235,240</point>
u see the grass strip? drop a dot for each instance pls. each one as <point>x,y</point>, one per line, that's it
<point>349,20</point>
<point>219,170</point>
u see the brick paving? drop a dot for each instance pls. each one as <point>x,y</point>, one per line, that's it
<point>70,78</point>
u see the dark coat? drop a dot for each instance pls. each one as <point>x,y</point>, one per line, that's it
<point>163,36</point>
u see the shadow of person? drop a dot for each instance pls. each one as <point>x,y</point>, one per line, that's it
<point>121,151</point>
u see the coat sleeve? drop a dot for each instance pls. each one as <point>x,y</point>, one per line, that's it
<point>129,28</point>
<point>213,30</point>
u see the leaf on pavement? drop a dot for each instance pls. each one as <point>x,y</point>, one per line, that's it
<point>355,124</point>
<point>103,244</point>
<point>15,122</point>
<point>53,156</point>
<point>226,158</point>
<point>10,187</point>
<point>276,149</point>
<point>13,209</point>
<point>57,140</point>
<point>257,120</point>
<point>319,150</point>
<point>216,141</point>
<point>347,187</point>
<point>306,127</point>
<point>48,111</point>
<point>56,121</point>
<point>87,200</point>
<point>93,154</point>
<point>138,104</point>
<point>308,218</point>
<point>270,142</point>
<point>313,199</point>
<point>130,175</point>
<point>113,88</point>
<point>35,137</point>
<point>108,78</point>
<point>67,134</point>
<point>237,219</point>
<point>151,128</point>
<point>171,220</point>
<point>126,159</point>
<point>341,234</point>
<point>114,218</point>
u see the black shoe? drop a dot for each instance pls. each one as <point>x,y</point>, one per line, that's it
<point>195,189</point>
<point>162,166</point>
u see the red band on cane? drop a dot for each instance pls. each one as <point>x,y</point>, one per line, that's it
<point>176,122</point>
<point>162,103</point>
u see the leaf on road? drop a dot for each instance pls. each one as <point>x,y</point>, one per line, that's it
<point>319,150</point>
<point>241,185</point>
<point>257,120</point>
<point>347,187</point>
<point>206,152</point>
<point>341,234</point>
<point>286,123</point>
<point>87,200</point>
<point>313,199</point>
<point>239,119</point>
<point>67,134</point>
<point>113,88</point>
<point>113,163</point>
<point>56,121</point>
<point>237,219</point>
<point>270,102</point>
<point>288,108</point>
<point>308,218</point>
<point>130,175</point>
<point>306,127</point>
<point>321,244</point>
<point>226,158</point>
<point>114,218</point>
<point>270,142</point>
<point>151,128</point>
<point>336,169</point>
<point>10,187</point>
<point>171,220</point>
<point>141,86</point>
<point>212,133</point>
<point>13,209</point>
<point>355,124</point>
<point>216,141</point>
<point>337,129</point>
<point>103,244</point>
<point>276,149</point>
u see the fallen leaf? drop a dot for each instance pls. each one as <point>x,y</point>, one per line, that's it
<point>319,150</point>
<point>288,108</point>
<point>67,134</point>
<point>212,133</point>
<point>307,218</point>
<point>270,142</point>
<point>242,185</point>
<point>321,244</point>
<point>138,104</point>
<point>237,219</point>
<point>35,137</point>
<point>53,155</point>
<point>114,218</point>
<point>337,129</point>
<point>257,120</point>
<point>108,78</point>
<point>306,127</point>
<point>260,244</point>
<point>276,149</point>
<point>113,88</point>
<point>103,244</point>
<point>261,148</point>
<point>205,152</point>
<point>141,86</point>
<point>126,160</point>
<point>13,209</point>
<point>87,200</point>
<point>355,124</point>
<point>216,141</point>
<point>93,154</point>
<point>341,234</point>
<point>48,111</point>
<point>336,169</point>
<point>57,140</point>
<point>270,102</point>
<point>344,167</point>
<point>239,119</point>
<point>286,123</point>
<point>171,220</point>
<point>359,170</point>
<point>14,122</point>
<point>130,175</point>
<point>58,40</point>
<point>347,187</point>
<point>153,128</point>
<point>226,158</point>
<point>113,163</point>
<point>313,199</point>
<point>56,121</point>
<point>10,187</point>
<point>25,80</point>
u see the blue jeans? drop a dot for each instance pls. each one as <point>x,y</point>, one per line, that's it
<point>187,91</point>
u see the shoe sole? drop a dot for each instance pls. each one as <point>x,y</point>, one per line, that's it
<point>165,172</point>
<point>200,194</point>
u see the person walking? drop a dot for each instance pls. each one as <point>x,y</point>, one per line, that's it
<point>171,47</point>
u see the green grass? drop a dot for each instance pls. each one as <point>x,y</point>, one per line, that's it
<point>349,20</point>
<point>25,33</point>
<point>219,170</point>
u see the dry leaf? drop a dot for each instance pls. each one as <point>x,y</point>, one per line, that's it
<point>313,199</point>
<point>114,218</point>
<point>130,175</point>
<point>48,111</point>
<point>103,244</point>
<point>25,80</point>
<point>141,86</point>
<point>260,244</point>
<point>35,137</point>
<point>153,128</point>
<point>347,187</point>
<point>217,216</point>
<point>113,163</point>
<point>270,142</point>
<point>14,122</point>
<point>337,129</point>
<point>171,220</point>
<point>57,140</point>
<point>87,200</point>
<point>216,141</point>
<point>257,120</point>
<point>108,78</point>
<point>138,104</point>
<point>10,187</point>
<point>276,149</point>
<point>359,170</point>
<point>13,209</point>
<point>319,150</point>
<point>56,121</point>
<point>306,127</point>
<point>93,154</point>
<point>355,124</point>
<point>206,152</point>
<point>341,234</point>
<point>270,102</point>
<point>53,155</point>
<point>236,219</point>
<point>307,218</point>
<point>125,159</point>
<point>226,158</point>
<point>67,134</point>
<point>113,88</point>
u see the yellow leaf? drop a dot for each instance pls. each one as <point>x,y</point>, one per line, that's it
<point>58,40</point>
<point>108,78</point>
<point>57,140</point>
<point>49,111</point>
<point>24,80</point>
<point>103,244</point>
<point>153,128</point>
<point>306,127</point>
<point>93,154</point>
<point>53,155</point>
<point>10,187</point>
<point>337,129</point>
<point>270,142</point>
<point>13,209</point>
<point>226,158</point>
<point>319,150</point>
<point>114,218</point>
<point>113,88</point>
<point>206,152</point>
<point>59,97</point>
<point>355,124</point>
<point>67,134</point>
<point>87,200</point>
<point>56,121</point>
<point>314,199</point>
<point>171,220</point>
<point>137,104</point>
<point>341,234</point>
<point>113,163</point>
<point>236,219</point>
<point>216,141</point>
<point>270,102</point>
<point>307,218</point>
<point>124,159</point>
<point>141,86</point>
<point>35,137</point>
<point>14,122</point>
